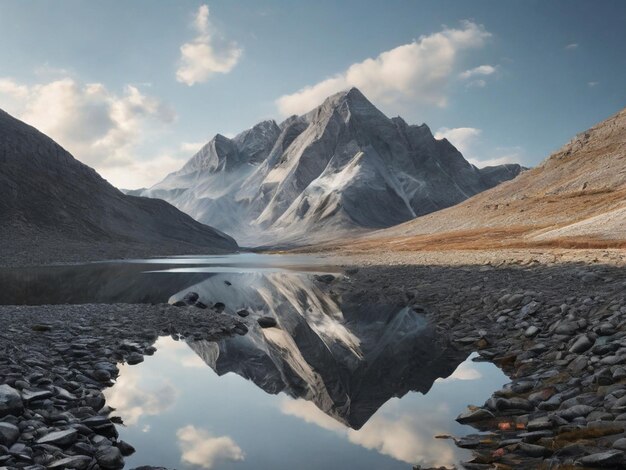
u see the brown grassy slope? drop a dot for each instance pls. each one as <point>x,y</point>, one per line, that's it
<point>576,198</point>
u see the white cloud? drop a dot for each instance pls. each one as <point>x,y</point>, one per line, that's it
<point>480,83</point>
<point>461,137</point>
<point>465,371</point>
<point>572,46</point>
<point>310,413</point>
<point>466,139</point>
<point>135,174</point>
<point>98,126</point>
<point>133,399</point>
<point>495,161</point>
<point>202,449</point>
<point>391,431</point>
<point>481,70</point>
<point>191,147</point>
<point>207,53</point>
<point>12,89</point>
<point>593,84</point>
<point>419,71</point>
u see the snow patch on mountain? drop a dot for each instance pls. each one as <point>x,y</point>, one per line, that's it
<point>343,167</point>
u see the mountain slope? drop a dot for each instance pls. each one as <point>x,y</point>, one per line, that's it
<point>48,197</point>
<point>575,198</point>
<point>342,168</point>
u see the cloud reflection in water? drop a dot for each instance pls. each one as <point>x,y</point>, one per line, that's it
<point>403,429</point>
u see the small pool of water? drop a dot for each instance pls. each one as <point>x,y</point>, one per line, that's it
<point>341,381</point>
<point>180,413</point>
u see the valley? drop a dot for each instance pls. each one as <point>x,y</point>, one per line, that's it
<point>295,276</point>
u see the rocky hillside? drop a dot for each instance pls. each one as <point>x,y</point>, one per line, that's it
<point>50,202</point>
<point>342,168</point>
<point>575,198</point>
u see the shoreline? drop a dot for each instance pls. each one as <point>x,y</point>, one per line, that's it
<point>554,322</point>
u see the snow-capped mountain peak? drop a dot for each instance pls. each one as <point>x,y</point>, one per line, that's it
<point>343,166</point>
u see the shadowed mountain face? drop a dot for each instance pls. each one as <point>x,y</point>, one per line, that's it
<point>343,167</point>
<point>48,196</point>
<point>345,356</point>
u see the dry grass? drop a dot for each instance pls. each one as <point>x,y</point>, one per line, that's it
<point>584,179</point>
<point>475,239</point>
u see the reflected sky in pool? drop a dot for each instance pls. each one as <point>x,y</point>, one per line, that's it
<point>179,413</point>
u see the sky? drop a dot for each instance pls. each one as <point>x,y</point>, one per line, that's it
<point>133,89</point>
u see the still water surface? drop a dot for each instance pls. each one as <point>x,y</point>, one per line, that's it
<point>136,281</point>
<point>181,414</point>
<point>339,382</point>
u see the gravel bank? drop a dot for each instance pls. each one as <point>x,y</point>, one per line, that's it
<point>54,363</point>
<point>559,332</point>
<point>556,327</point>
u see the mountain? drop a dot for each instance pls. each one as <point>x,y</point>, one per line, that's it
<point>344,167</point>
<point>49,201</point>
<point>336,351</point>
<point>575,198</point>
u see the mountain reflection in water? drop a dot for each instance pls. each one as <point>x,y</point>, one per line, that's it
<point>345,366</point>
<point>347,358</point>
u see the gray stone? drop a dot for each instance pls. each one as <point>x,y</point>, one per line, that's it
<point>190,298</point>
<point>32,395</point>
<point>10,401</point>
<point>472,416</point>
<point>78,462</point>
<point>59,438</point>
<point>575,412</point>
<point>125,448</point>
<point>602,459</point>
<point>110,458</point>
<point>530,308</point>
<point>325,278</point>
<point>566,328</point>
<point>9,434</point>
<point>531,331</point>
<point>267,322</point>
<point>134,358</point>
<point>581,344</point>
<point>533,450</point>
<point>620,444</point>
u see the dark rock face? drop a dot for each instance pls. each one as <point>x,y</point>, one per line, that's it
<point>343,166</point>
<point>47,195</point>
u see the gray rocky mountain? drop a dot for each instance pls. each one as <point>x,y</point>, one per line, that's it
<point>50,201</point>
<point>342,168</point>
<point>576,198</point>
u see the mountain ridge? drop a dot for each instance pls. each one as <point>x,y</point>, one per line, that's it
<point>344,167</point>
<point>48,198</point>
<point>576,198</point>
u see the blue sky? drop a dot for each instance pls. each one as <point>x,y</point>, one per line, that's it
<point>133,88</point>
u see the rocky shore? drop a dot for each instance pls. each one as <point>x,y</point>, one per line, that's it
<point>558,329</point>
<point>559,332</point>
<point>56,360</point>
